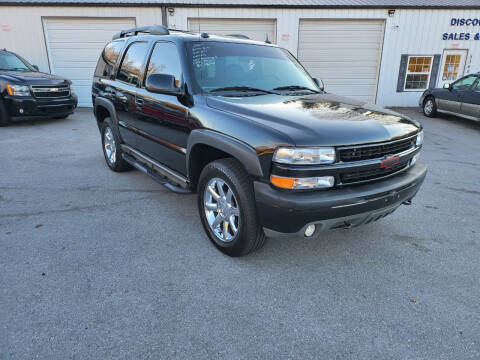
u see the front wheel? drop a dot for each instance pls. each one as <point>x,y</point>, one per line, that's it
<point>111,147</point>
<point>429,107</point>
<point>227,208</point>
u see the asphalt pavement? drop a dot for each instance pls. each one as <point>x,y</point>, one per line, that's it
<point>100,265</point>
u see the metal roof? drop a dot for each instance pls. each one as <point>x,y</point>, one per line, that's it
<point>437,4</point>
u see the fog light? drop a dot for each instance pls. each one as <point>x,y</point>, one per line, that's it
<point>310,230</point>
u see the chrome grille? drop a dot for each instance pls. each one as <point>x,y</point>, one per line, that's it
<point>367,152</point>
<point>50,92</point>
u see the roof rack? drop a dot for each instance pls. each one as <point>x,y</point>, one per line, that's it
<point>152,30</point>
<point>240,36</point>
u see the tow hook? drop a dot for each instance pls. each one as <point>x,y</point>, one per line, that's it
<point>407,202</point>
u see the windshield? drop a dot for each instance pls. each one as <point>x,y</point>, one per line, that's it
<point>223,66</point>
<point>12,62</point>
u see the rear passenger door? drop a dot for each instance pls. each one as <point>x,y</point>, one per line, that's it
<point>162,118</point>
<point>129,77</point>
<point>471,101</point>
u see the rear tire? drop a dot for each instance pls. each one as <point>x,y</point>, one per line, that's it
<point>232,205</point>
<point>4,119</point>
<point>111,145</point>
<point>430,107</point>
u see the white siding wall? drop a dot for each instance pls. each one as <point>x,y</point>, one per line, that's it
<point>407,32</point>
<point>25,35</point>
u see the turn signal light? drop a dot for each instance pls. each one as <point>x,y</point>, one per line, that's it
<point>321,182</point>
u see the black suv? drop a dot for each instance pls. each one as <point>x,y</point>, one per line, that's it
<point>26,93</point>
<point>243,124</point>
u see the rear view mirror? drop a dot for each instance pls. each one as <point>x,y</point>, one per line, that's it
<point>162,84</point>
<point>319,83</point>
<point>447,86</point>
<point>35,67</point>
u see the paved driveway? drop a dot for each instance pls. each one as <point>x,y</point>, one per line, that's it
<point>99,265</point>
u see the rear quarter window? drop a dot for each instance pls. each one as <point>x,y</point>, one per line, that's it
<point>108,58</point>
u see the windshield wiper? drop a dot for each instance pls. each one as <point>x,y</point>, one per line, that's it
<point>13,69</point>
<point>241,88</point>
<point>295,87</point>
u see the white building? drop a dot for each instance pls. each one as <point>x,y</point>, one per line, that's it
<point>383,51</point>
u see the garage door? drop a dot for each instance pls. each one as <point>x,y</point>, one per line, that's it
<point>255,29</point>
<point>74,46</point>
<point>345,54</point>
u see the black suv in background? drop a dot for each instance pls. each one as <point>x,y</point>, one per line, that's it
<point>243,124</point>
<point>26,93</point>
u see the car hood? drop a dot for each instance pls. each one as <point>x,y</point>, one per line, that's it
<point>33,78</point>
<point>319,119</point>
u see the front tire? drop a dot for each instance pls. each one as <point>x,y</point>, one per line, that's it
<point>111,147</point>
<point>430,107</point>
<point>4,120</point>
<point>227,208</point>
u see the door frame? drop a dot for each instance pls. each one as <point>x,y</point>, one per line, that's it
<point>440,81</point>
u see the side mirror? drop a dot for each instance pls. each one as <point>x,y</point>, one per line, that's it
<point>319,83</point>
<point>162,84</point>
<point>35,67</point>
<point>447,86</point>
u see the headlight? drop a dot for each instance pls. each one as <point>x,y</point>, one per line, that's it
<point>419,140</point>
<point>305,156</point>
<point>18,90</point>
<point>72,89</point>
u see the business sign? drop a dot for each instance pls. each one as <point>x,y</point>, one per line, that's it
<point>462,35</point>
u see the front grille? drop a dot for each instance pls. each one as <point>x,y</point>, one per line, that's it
<point>365,175</point>
<point>50,92</point>
<point>358,153</point>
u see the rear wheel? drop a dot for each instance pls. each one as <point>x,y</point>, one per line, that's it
<point>111,147</point>
<point>4,120</point>
<point>227,208</point>
<point>429,107</point>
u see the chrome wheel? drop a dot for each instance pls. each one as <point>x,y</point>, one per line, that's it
<point>109,146</point>
<point>221,210</point>
<point>428,107</point>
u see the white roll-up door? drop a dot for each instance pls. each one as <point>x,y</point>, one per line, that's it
<point>345,54</point>
<point>74,45</point>
<point>255,29</point>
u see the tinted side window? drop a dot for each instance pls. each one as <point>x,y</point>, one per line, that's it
<point>465,83</point>
<point>108,59</point>
<point>132,63</point>
<point>165,60</point>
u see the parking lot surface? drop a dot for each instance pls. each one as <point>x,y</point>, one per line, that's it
<point>100,265</point>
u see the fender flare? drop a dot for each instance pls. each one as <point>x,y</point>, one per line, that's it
<point>241,151</point>
<point>107,104</point>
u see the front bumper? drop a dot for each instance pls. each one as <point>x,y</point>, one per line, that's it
<point>291,212</point>
<point>30,107</point>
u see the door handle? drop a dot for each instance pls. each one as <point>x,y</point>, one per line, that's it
<point>139,102</point>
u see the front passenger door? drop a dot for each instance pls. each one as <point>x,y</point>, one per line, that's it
<point>162,118</point>
<point>471,102</point>
<point>451,99</point>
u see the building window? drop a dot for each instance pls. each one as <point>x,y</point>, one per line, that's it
<point>418,73</point>
<point>452,65</point>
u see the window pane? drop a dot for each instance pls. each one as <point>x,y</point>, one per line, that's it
<point>419,63</point>
<point>132,63</point>
<point>465,83</point>
<point>416,81</point>
<point>165,60</point>
<point>109,57</point>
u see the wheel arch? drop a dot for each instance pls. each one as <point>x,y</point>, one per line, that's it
<point>104,108</point>
<point>205,146</point>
